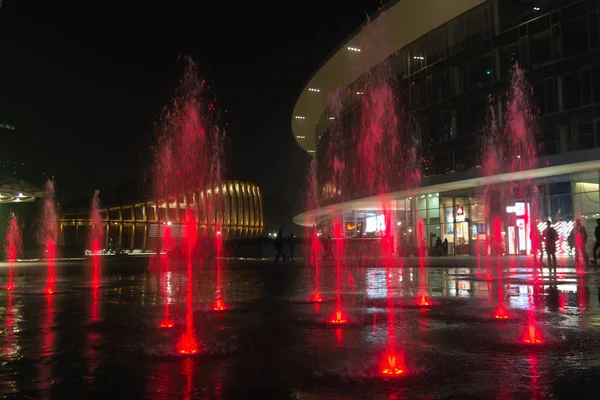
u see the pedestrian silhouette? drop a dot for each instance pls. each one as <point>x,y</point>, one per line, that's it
<point>278,243</point>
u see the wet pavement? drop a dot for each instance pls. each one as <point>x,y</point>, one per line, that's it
<point>271,342</point>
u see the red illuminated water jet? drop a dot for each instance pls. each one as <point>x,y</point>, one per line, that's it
<point>423,300</point>
<point>501,313</point>
<point>13,246</point>
<point>314,243</point>
<point>187,343</point>
<point>219,304</point>
<point>338,317</point>
<point>533,334</point>
<point>48,233</point>
<point>188,157</point>
<point>392,365</point>
<point>96,235</point>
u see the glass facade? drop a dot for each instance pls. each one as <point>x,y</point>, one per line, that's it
<point>445,83</point>
<point>444,80</point>
<point>460,217</point>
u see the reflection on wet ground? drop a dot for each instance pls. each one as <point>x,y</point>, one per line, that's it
<point>270,341</point>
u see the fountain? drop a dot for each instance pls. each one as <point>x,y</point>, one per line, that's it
<point>512,149</point>
<point>187,343</point>
<point>313,243</point>
<point>219,304</point>
<point>96,235</point>
<point>188,157</point>
<point>48,233</point>
<point>13,245</point>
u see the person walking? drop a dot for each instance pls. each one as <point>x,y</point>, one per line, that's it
<point>536,244</point>
<point>551,237</point>
<point>581,237</point>
<point>597,243</point>
<point>328,247</point>
<point>278,243</point>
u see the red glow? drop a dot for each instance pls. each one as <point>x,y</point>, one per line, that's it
<point>50,255</point>
<point>166,323</point>
<point>339,335</point>
<point>392,365</point>
<point>338,318</point>
<point>12,247</point>
<point>423,301</point>
<point>219,305</point>
<point>316,297</point>
<point>47,345</point>
<point>501,313</point>
<point>95,263</point>
<point>532,335</point>
<point>187,343</point>
<point>188,372</point>
<point>9,345</point>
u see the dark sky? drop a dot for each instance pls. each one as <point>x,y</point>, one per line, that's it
<point>89,79</point>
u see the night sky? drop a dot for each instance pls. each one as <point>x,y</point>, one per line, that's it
<point>84,82</point>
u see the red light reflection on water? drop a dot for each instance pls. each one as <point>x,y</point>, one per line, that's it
<point>187,368</point>
<point>219,304</point>
<point>12,247</point>
<point>95,263</point>
<point>47,345</point>
<point>92,354</point>
<point>9,345</point>
<point>187,342</point>
<point>166,321</point>
<point>50,255</point>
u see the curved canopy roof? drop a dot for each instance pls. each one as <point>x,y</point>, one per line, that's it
<point>404,22</point>
<point>17,191</point>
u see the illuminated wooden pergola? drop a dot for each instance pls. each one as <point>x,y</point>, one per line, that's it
<point>232,209</point>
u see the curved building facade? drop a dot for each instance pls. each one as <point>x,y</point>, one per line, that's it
<point>233,209</point>
<point>448,63</point>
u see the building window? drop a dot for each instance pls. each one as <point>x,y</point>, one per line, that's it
<point>571,88</point>
<point>540,46</point>
<point>575,37</point>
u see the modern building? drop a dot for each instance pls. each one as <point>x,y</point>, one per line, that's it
<point>448,63</point>
<point>232,209</point>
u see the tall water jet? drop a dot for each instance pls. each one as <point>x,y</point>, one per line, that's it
<point>511,148</point>
<point>187,342</point>
<point>312,236</point>
<point>334,187</point>
<point>188,157</point>
<point>48,233</point>
<point>13,245</point>
<point>219,304</point>
<point>383,159</point>
<point>96,236</point>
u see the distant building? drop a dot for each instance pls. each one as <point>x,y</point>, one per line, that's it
<point>135,221</point>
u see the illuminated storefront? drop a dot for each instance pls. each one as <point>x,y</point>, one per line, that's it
<point>460,217</point>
